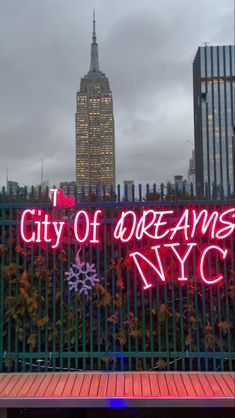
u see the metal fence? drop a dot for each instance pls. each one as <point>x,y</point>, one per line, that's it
<point>45,326</point>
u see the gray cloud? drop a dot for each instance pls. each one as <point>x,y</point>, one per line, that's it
<point>146,50</point>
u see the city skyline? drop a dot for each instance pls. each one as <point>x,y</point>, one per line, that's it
<point>149,64</point>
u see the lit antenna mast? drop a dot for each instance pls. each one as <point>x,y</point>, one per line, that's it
<point>42,171</point>
<point>7,176</point>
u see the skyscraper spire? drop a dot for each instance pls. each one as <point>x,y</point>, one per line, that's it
<point>93,34</point>
<point>94,66</point>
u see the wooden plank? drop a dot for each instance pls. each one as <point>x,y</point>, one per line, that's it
<point>102,392</point>
<point>171,385</point>
<point>188,385</point>
<point>128,385</point>
<point>69,385</point>
<point>231,379</point>
<point>137,385</point>
<point>86,385</point>
<point>4,380</point>
<point>43,385</point>
<point>34,388</point>
<point>77,385</point>
<point>146,390</point>
<point>182,392</point>
<point>155,391</point>
<point>205,384</point>
<point>17,388</point>
<point>8,388</point>
<point>214,385</point>
<point>111,389</point>
<point>197,385</point>
<point>61,385</point>
<point>27,385</point>
<point>53,384</point>
<point>94,385</point>
<point>230,382</point>
<point>162,385</point>
<point>223,385</point>
<point>120,385</point>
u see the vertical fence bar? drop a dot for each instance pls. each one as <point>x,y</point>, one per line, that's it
<point>98,313</point>
<point>29,270</point>
<point>105,323</point>
<point>10,290</point>
<point>231,307</point>
<point>113,281</point>
<point>52,359</point>
<point>135,292</point>
<point>83,318</point>
<point>24,349</point>
<point>196,311</point>
<point>38,285</point>
<point>151,329</point>
<point>229,313</point>
<point>219,316</point>
<point>181,292</point>
<point>165,309</point>
<point>211,302</point>
<point>46,343</point>
<point>2,278</point>
<point>60,298</point>
<point>77,326</point>
<point>173,346</point>
<point>17,325</point>
<point>91,315</point>
<point>121,325</point>
<point>143,299</point>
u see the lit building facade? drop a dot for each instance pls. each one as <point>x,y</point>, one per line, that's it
<point>95,141</point>
<point>214,117</point>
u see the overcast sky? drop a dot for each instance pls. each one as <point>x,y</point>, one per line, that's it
<point>146,48</point>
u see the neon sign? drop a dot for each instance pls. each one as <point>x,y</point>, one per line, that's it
<point>180,236</point>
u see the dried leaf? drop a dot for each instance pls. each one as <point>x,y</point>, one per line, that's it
<point>223,326</point>
<point>32,341</point>
<point>24,280</point>
<point>161,364</point>
<point>21,251</point>
<point>119,284</point>
<point>2,249</point>
<point>188,339</point>
<point>162,308</point>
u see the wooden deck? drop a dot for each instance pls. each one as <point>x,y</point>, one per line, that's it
<point>129,389</point>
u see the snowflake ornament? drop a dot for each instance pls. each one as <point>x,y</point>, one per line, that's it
<point>81,276</point>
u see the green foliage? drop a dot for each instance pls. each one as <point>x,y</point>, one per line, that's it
<point>41,315</point>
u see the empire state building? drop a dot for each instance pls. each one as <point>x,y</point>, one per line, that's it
<point>95,143</point>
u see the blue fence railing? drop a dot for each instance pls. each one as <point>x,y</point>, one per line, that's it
<point>46,325</point>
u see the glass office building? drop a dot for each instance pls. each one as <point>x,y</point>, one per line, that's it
<point>214,117</point>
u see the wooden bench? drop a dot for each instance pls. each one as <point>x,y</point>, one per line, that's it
<point>116,389</point>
